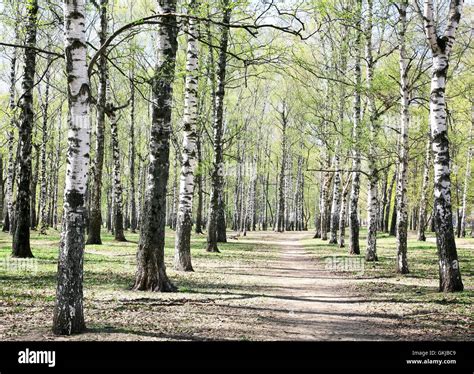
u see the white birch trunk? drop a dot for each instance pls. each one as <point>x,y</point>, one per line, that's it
<point>401,192</point>
<point>182,254</point>
<point>68,313</point>
<point>467,176</point>
<point>449,270</point>
<point>372,201</point>
<point>424,192</point>
<point>355,187</point>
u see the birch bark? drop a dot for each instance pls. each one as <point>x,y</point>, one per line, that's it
<point>218,162</point>
<point>21,234</point>
<point>68,312</point>
<point>355,186</point>
<point>151,270</point>
<point>441,46</point>
<point>182,254</point>
<point>402,202</point>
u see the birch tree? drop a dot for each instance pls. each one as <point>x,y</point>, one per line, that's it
<point>467,175</point>
<point>68,313</point>
<point>371,250</point>
<point>117,198</point>
<point>441,46</point>
<point>11,166</point>
<point>422,222</point>
<point>44,144</point>
<point>95,219</point>
<point>218,162</point>
<point>151,270</point>
<point>402,203</point>
<point>355,186</point>
<point>182,259</point>
<point>280,224</point>
<point>21,235</point>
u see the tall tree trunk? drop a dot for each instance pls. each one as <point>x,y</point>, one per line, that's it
<point>221,218</point>
<point>11,167</point>
<point>402,203</point>
<point>355,187</point>
<point>299,195</point>
<point>342,215</point>
<point>449,270</point>
<point>199,185</point>
<point>393,220</point>
<point>68,312</point>
<point>9,216</point>
<point>182,254</point>
<point>266,200</point>
<point>57,160</point>
<point>237,187</point>
<point>174,198</point>
<point>117,183</point>
<point>389,203</point>
<point>324,204</point>
<point>467,175</point>
<point>21,236</point>
<point>44,178</point>
<point>133,197</point>
<point>383,205</point>
<point>218,162</point>
<point>317,211</point>
<point>280,225</point>
<point>336,200</point>
<point>253,197</point>
<point>151,272</point>
<point>2,188</point>
<point>424,192</point>
<point>33,185</point>
<point>95,219</point>
<point>373,178</point>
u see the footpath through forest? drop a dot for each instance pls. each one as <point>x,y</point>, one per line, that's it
<point>303,300</point>
<point>265,286</point>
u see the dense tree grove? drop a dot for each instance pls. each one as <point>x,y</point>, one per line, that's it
<point>338,117</point>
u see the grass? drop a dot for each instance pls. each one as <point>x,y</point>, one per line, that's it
<point>418,288</point>
<point>27,295</point>
<point>110,266</point>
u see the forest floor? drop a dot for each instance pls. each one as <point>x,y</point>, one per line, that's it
<point>265,286</point>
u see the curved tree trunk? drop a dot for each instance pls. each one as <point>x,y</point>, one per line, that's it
<point>68,312</point>
<point>151,270</point>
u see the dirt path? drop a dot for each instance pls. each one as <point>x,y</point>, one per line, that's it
<point>307,302</point>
